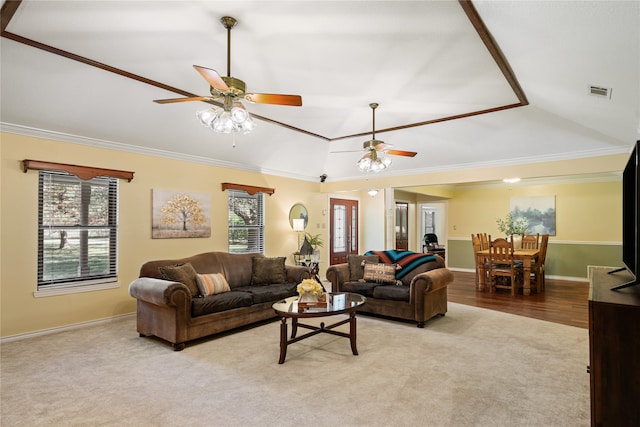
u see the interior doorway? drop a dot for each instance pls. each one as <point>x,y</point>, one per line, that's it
<point>343,231</point>
<point>433,220</point>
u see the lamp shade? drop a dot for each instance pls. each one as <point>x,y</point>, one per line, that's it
<point>232,118</point>
<point>298,224</point>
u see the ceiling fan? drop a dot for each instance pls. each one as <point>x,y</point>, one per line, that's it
<point>230,90</point>
<point>375,159</point>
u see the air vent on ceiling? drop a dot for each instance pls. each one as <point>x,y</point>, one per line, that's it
<point>604,92</point>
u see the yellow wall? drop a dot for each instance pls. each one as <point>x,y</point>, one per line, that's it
<point>21,312</point>
<point>585,213</point>
<point>588,221</point>
<point>372,221</point>
<point>588,224</point>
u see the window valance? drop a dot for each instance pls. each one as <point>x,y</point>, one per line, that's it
<point>82,172</point>
<point>250,189</point>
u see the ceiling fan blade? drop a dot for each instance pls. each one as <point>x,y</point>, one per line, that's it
<point>213,78</point>
<point>380,146</point>
<point>270,98</point>
<point>401,153</point>
<point>346,151</point>
<point>193,98</point>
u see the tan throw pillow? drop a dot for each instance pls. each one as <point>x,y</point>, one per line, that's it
<point>356,269</point>
<point>267,271</point>
<point>380,273</point>
<point>183,273</point>
<point>211,284</point>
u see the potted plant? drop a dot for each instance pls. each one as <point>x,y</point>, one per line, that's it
<point>513,227</point>
<point>316,242</point>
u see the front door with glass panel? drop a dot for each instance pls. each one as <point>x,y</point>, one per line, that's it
<point>343,230</point>
<point>402,226</point>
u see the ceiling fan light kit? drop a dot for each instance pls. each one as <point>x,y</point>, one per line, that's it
<point>376,158</point>
<point>232,117</point>
<point>223,120</point>
<point>374,162</point>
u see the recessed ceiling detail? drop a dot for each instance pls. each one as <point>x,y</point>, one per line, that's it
<point>439,69</point>
<point>10,8</point>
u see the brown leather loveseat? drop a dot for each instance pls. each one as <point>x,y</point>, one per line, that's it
<point>415,289</point>
<point>184,299</point>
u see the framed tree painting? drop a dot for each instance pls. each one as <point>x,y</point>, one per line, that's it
<point>179,214</point>
<point>539,211</point>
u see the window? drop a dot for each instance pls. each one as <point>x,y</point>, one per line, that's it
<point>77,230</point>
<point>246,222</point>
<point>429,221</point>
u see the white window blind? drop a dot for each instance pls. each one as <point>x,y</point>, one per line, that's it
<point>246,222</point>
<point>77,230</point>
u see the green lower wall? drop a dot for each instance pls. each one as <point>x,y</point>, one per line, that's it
<point>563,259</point>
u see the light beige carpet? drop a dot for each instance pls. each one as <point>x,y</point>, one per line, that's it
<point>473,367</point>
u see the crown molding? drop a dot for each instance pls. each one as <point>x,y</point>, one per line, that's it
<point>112,145</point>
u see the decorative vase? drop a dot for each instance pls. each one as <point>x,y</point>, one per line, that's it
<point>308,298</point>
<point>517,241</point>
<point>315,256</point>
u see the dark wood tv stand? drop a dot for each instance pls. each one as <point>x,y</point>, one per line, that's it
<point>614,349</point>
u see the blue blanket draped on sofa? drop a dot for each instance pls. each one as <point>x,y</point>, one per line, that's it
<point>406,259</point>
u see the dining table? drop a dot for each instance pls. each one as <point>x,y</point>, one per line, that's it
<point>527,256</point>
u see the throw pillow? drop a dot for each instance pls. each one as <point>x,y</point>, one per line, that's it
<point>267,271</point>
<point>380,273</point>
<point>211,284</point>
<point>356,269</point>
<point>183,273</point>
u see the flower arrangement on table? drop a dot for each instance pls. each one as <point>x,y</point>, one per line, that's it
<point>309,287</point>
<point>311,294</point>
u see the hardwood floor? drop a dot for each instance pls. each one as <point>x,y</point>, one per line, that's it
<point>562,301</point>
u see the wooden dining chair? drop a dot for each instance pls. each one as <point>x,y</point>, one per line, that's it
<point>503,272</point>
<point>482,266</point>
<point>484,241</point>
<point>537,267</point>
<point>530,241</point>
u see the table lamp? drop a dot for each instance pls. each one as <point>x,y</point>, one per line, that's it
<point>298,227</point>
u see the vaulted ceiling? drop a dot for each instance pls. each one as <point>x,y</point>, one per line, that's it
<point>464,84</point>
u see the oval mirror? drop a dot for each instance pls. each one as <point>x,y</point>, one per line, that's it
<point>298,211</point>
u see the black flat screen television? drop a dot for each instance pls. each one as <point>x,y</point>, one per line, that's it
<point>631,218</point>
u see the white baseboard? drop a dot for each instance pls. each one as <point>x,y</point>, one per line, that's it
<point>62,328</point>
<point>567,278</point>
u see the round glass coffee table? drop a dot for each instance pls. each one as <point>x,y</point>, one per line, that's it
<point>335,303</point>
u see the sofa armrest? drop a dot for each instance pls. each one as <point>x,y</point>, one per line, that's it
<point>433,280</point>
<point>429,281</point>
<point>159,291</point>
<point>337,274</point>
<point>297,273</point>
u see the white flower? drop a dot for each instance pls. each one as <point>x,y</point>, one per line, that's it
<point>309,286</point>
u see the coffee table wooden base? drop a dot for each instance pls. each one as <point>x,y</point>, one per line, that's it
<point>315,330</point>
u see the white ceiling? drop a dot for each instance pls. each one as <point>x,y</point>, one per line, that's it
<point>420,60</point>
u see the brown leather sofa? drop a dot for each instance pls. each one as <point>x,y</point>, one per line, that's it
<point>173,311</point>
<point>420,294</point>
